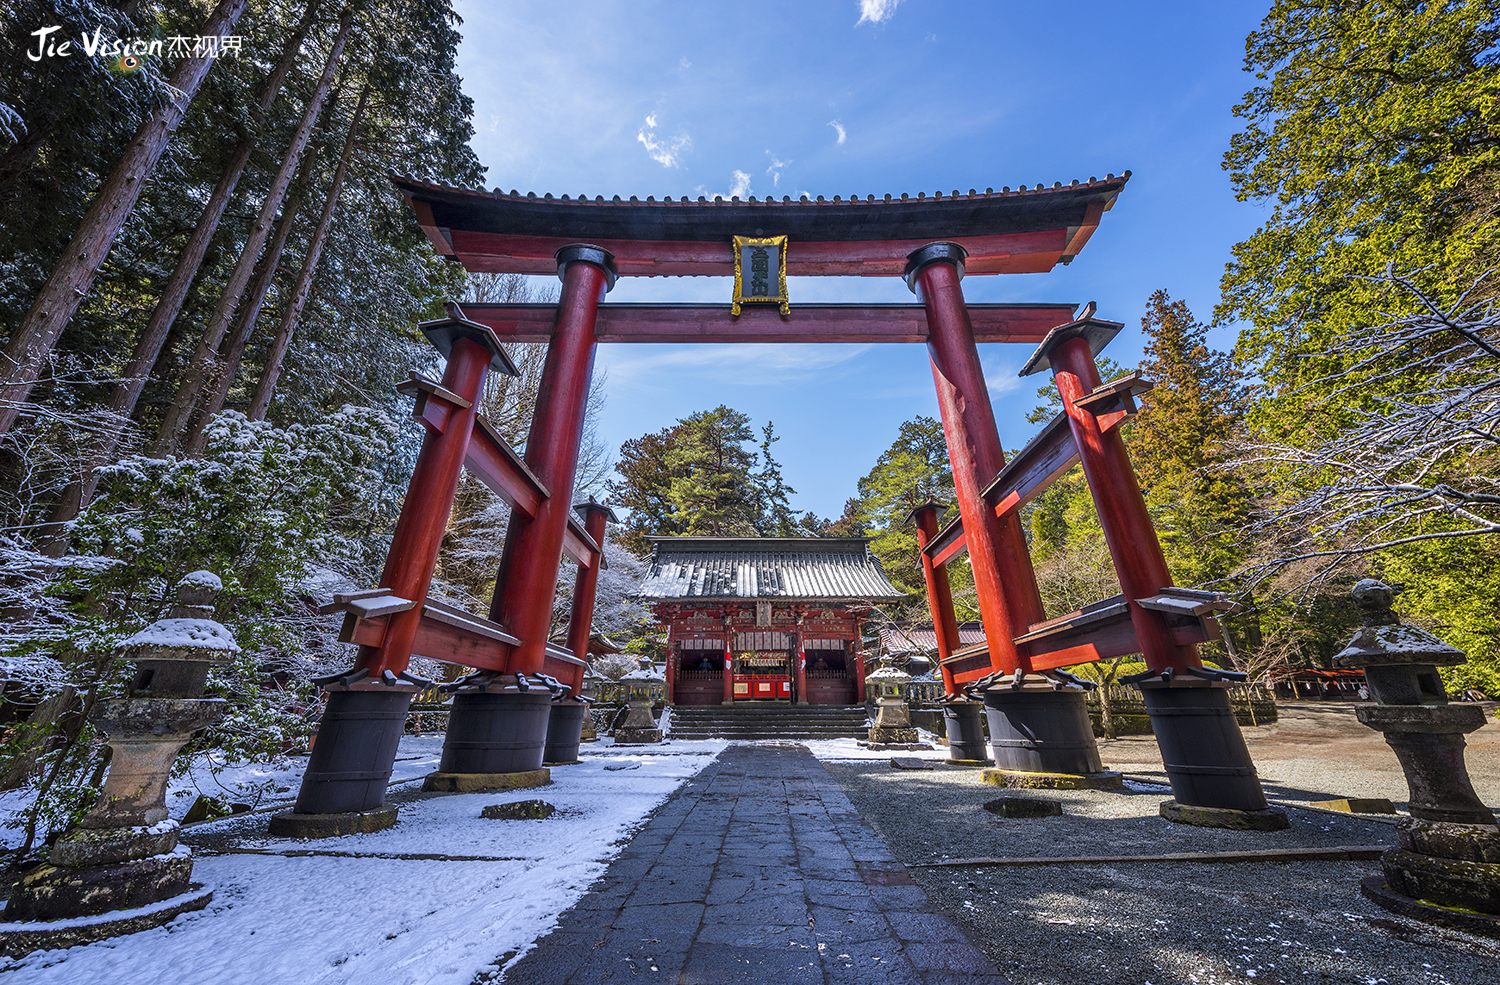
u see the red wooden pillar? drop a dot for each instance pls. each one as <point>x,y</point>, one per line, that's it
<point>527,581</point>
<point>352,759</point>
<point>728,665</point>
<point>1009,601</point>
<point>801,669</point>
<point>429,497</point>
<point>939,594</point>
<point>1128,530</point>
<point>586,585</point>
<point>859,664</point>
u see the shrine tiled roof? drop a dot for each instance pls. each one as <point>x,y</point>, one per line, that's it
<point>827,568</point>
<point>924,638</point>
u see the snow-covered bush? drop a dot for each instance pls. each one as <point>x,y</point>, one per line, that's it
<point>261,508</point>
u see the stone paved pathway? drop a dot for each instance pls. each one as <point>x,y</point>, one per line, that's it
<point>759,871</point>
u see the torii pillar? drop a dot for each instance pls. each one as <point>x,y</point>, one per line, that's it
<point>500,725</point>
<point>1214,782</point>
<point>1033,729</point>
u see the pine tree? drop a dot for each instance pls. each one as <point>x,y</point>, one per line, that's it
<point>777,516</point>
<point>713,493</point>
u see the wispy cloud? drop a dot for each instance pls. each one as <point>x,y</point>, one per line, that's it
<point>684,64</point>
<point>876,11</point>
<point>739,185</point>
<point>666,151</point>
<point>840,128</point>
<point>775,169</point>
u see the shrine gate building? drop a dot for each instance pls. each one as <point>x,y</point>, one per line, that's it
<point>764,618</point>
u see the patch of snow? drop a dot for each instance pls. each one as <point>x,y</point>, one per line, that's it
<point>363,916</point>
<point>188,634</point>
<point>206,579</point>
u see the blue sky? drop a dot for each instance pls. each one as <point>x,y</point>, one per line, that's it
<point>843,97</point>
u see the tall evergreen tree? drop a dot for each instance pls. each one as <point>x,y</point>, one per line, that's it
<point>778,517</point>
<point>713,493</point>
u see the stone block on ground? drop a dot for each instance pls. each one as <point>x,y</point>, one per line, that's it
<point>911,763</point>
<point>478,782</point>
<point>1022,780</point>
<point>1357,805</point>
<point>51,892</point>
<point>884,735</point>
<point>1270,819</point>
<point>521,810</point>
<point>1022,807</point>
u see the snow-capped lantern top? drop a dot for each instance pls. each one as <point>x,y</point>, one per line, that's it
<point>889,681</point>
<point>1383,640</point>
<point>188,632</point>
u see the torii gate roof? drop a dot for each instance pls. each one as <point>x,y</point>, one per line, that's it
<point>1021,231</point>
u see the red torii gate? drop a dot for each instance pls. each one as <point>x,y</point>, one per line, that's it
<point>499,722</point>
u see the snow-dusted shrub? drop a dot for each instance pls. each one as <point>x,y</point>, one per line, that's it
<point>261,508</point>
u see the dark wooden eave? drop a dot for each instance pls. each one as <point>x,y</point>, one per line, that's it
<point>1004,232</point>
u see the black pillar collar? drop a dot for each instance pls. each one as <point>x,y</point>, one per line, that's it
<point>587,253</point>
<point>932,253</point>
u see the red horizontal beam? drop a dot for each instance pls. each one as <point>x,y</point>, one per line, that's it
<point>578,545</point>
<point>453,636</point>
<point>947,544</point>
<point>504,253</point>
<point>861,323</point>
<point>495,463</point>
<point>1035,467</point>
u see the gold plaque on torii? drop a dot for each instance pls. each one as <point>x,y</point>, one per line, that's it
<point>760,272</point>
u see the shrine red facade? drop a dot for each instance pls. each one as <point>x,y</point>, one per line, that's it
<point>764,619</point>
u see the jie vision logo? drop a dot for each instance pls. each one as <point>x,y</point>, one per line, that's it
<point>50,42</point>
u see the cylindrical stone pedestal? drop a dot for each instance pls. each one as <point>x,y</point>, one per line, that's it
<point>1041,731</point>
<point>965,727</point>
<point>1202,749</point>
<point>496,733</point>
<point>564,731</point>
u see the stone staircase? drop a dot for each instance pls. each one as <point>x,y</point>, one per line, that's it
<point>768,720</point>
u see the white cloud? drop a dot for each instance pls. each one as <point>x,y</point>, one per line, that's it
<point>684,64</point>
<point>775,169</point>
<point>876,11</point>
<point>739,184</point>
<point>666,151</point>
<point>840,128</point>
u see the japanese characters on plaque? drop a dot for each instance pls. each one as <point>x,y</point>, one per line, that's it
<point>760,272</point>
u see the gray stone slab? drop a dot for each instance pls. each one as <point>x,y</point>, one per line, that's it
<point>758,871</point>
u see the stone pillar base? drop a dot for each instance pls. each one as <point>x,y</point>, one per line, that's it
<point>637,736</point>
<point>1443,881</point>
<point>20,939</point>
<point>1268,819</point>
<point>1023,780</point>
<point>290,824</point>
<point>1378,892</point>
<point>475,782</point>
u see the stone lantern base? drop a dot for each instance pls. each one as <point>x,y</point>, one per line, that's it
<point>19,938</point>
<point>639,728</point>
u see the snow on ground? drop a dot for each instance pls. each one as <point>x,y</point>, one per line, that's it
<point>837,749</point>
<point>440,898</point>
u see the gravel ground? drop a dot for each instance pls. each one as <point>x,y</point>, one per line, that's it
<point>1177,922</point>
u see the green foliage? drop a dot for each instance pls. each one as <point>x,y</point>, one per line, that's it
<point>775,495</point>
<point>711,490</point>
<point>912,471</point>
<point>261,509</point>
<point>1374,135</point>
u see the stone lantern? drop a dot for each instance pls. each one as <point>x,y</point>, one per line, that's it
<point>590,691</point>
<point>643,687</point>
<point>892,720</point>
<point>1447,870</point>
<point>122,863</point>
